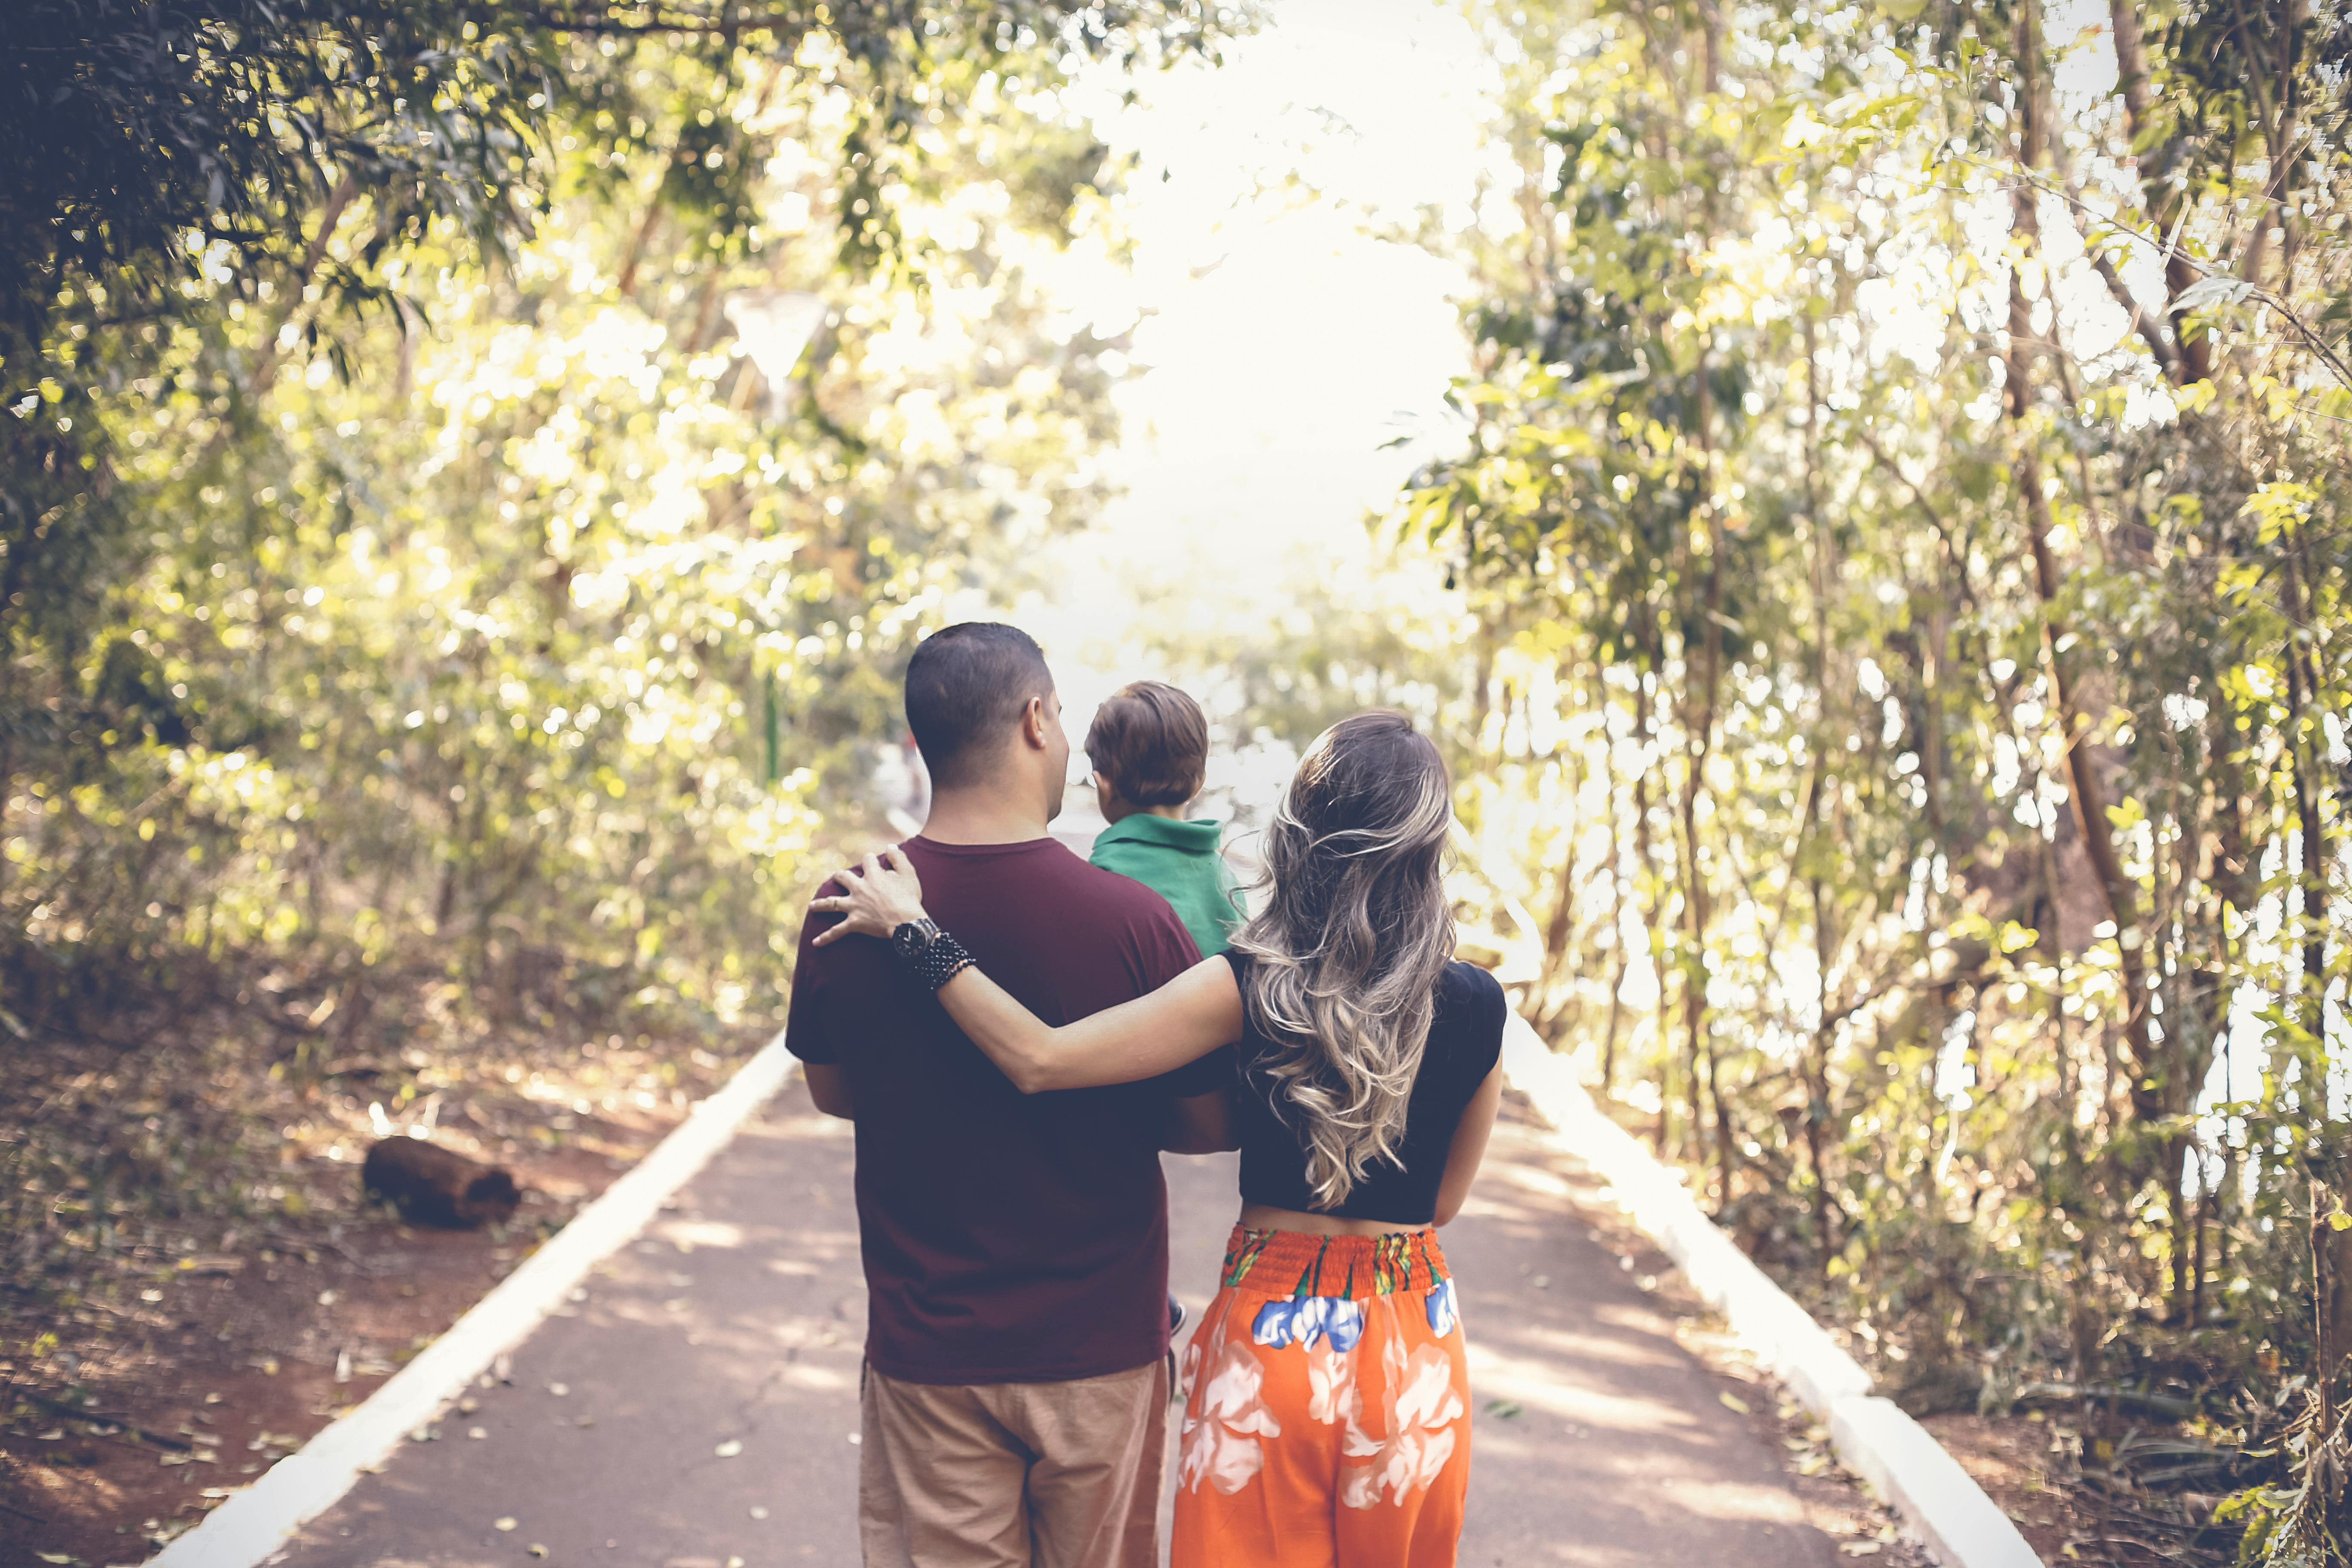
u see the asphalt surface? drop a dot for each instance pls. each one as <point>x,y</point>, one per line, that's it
<point>698,1406</point>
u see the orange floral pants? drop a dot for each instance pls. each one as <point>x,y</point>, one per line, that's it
<point>1327,1412</point>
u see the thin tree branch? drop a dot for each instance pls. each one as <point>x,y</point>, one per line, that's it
<point>2142,322</point>
<point>265,364</point>
<point>1926,508</point>
<point>2270,300</point>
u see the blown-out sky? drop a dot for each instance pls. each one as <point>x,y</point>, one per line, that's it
<point>1279,346</point>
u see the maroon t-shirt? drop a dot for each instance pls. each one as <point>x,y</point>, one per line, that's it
<point>1008,1237</point>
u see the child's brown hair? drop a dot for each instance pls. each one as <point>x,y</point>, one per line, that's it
<point>1151,742</point>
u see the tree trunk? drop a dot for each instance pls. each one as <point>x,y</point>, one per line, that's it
<point>2331,1302</point>
<point>438,1187</point>
<point>2331,1251</point>
<point>1562,924</point>
<point>2121,892</point>
<point>1824,572</point>
<point>1563,911</point>
<point>1653,921</point>
<point>1616,918</point>
<point>2306,745</point>
<point>2193,360</point>
<point>2275,114</point>
<point>1698,745</point>
<point>1693,968</point>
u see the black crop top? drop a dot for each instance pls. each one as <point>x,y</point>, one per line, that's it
<point>1465,1039</point>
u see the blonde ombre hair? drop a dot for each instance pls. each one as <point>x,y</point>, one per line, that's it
<point>1354,935</point>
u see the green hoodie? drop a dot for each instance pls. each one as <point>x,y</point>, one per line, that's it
<point>1179,862</point>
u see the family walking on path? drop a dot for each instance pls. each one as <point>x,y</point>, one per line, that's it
<point>1018,1035</point>
<point>703,1400</point>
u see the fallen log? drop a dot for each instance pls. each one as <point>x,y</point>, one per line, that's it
<point>438,1187</point>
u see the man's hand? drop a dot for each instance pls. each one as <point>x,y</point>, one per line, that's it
<point>828,1087</point>
<point>883,894</point>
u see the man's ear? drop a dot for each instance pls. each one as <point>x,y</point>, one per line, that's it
<point>1033,723</point>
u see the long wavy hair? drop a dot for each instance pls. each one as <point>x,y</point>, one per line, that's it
<point>1354,935</point>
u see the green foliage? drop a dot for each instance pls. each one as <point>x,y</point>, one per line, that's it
<point>1946,672</point>
<point>159,162</point>
<point>409,564</point>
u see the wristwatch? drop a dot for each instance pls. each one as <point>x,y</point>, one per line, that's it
<point>913,937</point>
<point>928,953</point>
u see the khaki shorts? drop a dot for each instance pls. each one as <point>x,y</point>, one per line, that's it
<point>1014,1474</point>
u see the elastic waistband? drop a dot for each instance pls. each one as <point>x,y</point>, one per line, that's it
<point>1298,1263</point>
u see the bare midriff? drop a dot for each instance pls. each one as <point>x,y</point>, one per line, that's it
<point>1265,1217</point>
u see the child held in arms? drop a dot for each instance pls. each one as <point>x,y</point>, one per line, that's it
<point>1149,748</point>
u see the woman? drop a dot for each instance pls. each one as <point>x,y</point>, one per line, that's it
<point>1328,1412</point>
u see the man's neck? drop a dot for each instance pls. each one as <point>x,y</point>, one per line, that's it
<point>981,816</point>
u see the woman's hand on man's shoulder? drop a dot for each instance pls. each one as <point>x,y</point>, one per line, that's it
<point>877,896</point>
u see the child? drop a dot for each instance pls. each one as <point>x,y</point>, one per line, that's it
<point>1149,748</point>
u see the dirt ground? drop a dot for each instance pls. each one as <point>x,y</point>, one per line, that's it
<point>196,1285</point>
<point>2066,1476</point>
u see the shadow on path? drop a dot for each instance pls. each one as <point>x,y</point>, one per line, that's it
<point>700,1406</point>
<point>736,1319</point>
<point>1621,1451</point>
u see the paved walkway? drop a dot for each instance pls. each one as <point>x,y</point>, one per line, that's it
<point>697,1408</point>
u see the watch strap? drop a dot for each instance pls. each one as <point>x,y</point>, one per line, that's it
<point>934,963</point>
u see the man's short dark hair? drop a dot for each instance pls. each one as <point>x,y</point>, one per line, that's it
<point>967,686</point>
<point>1151,742</point>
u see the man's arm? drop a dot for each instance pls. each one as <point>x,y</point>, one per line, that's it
<point>1200,1125</point>
<point>806,1035</point>
<point>828,1085</point>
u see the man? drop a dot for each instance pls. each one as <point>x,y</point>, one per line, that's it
<point>1016,1247</point>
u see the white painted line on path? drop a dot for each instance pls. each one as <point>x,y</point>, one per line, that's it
<point>258,1521</point>
<point>1877,1441</point>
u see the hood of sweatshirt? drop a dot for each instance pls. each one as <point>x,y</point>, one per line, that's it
<point>1197,837</point>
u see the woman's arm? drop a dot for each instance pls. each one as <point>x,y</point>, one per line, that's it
<point>1469,1146</point>
<point>1182,1021</point>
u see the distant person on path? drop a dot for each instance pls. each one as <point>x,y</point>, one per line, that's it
<point>1328,1408</point>
<point>1016,1384</point>
<point>1148,745</point>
